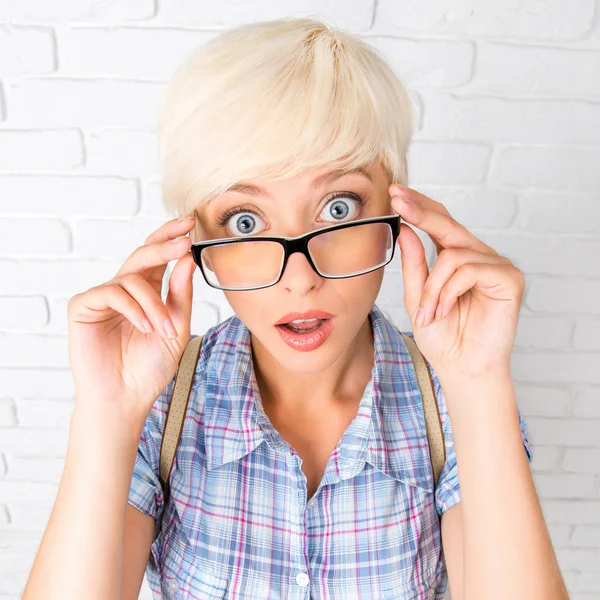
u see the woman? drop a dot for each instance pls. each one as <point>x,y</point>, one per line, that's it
<point>303,467</point>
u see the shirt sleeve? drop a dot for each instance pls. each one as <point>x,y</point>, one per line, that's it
<point>145,492</point>
<point>447,493</point>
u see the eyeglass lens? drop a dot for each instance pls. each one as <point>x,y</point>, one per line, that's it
<point>343,252</point>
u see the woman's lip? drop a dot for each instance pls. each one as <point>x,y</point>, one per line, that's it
<point>310,314</point>
<point>305,342</point>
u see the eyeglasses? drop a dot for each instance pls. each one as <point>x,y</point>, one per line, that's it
<point>335,252</point>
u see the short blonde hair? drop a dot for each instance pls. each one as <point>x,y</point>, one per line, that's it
<point>271,99</point>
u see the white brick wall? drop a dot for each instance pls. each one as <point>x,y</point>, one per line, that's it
<point>508,100</point>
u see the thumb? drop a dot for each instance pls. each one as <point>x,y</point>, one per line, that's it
<point>179,297</point>
<point>414,268</point>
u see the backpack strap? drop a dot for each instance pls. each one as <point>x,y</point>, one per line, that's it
<point>433,423</point>
<point>175,416</point>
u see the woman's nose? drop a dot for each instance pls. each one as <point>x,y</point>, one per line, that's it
<point>299,276</point>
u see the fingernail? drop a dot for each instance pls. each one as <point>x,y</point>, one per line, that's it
<point>170,329</point>
<point>186,218</point>
<point>177,239</point>
<point>420,316</point>
<point>147,325</point>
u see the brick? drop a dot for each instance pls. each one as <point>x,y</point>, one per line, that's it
<point>77,10</point>
<point>8,414</point>
<point>587,404</point>
<point>575,558</point>
<point>556,485</point>
<point>26,350</point>
<point>552,20</point>
<point>34,442</point>
<point>3,467</point>
<point>477,206</point>
<point>58,315</point>
<point>560,535</point>
<point>562,295</point>
<point>204,315</point>
<point>543,333</point>
<point>59,276</point>
<point>23,312</point>
<point>128,153</point>
<point>549,255</point>
<point>38,383</point>
<point>124,52</point>
<point>449,162</point>
<point>572,511</point>
<point>29,518</point>
<point>481,118</point>
<point>35,469</point>
<point>90,103</point>
<point>427,63</point>
<point>554,168</point>
<point>152,201</point>
<point>22,150</point>
<point>67,196</point>
<point>26,51</point>
<point>90,236</point>
<point>563,432</point>
<point>546,458</point>
<point>55,414</point>
<point>351,15</point>
<point>27,493</point>
<point>518,70</point>
<point>537,401</point>
<point>582,460</point>
<point>555,367</point>
<point>4,516</point>
<point>586,537</point>
<point>26,237</point>
<point>545,212</point>
<point>586,335</point>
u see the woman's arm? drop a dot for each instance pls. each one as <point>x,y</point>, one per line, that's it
<point>506,547</point>
<point>81,553</point>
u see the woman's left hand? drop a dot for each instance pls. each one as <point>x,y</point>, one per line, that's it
<point>477,291</point>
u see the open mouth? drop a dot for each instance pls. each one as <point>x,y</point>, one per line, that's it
<point>304,326</point>
<point>306,334</point>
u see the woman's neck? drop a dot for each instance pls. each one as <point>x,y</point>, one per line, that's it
<point>289,393</point>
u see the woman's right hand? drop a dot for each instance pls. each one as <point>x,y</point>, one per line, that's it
<point>124,342</point>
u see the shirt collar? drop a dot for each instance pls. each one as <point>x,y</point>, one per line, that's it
<point>388,431</point>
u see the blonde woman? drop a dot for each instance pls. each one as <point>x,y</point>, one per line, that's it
<point>303,469</point>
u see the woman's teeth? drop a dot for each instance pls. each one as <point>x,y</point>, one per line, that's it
<point>304,325</point>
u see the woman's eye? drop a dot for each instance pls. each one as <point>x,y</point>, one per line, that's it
<point>340,208</point>
<point>244,223</point>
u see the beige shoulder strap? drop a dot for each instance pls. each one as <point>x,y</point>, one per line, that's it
<point>433,423</point>
<point>177,409</point>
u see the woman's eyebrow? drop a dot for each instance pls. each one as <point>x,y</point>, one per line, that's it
<point>254,190</point>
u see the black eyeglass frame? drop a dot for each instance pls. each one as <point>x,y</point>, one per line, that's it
<point>297,244</point>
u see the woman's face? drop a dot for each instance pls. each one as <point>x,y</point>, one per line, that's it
<point>292,207</point>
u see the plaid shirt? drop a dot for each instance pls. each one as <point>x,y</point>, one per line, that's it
<point>238,525</point>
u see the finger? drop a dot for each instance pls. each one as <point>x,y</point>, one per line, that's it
<point>152,305</point>
<point>444,231</point>
<point>179,297</point>
<point>414,267</point>
<point>500,281</point>
<point>397,189</point>
<point>171,229</point>
<point>151,260</point>
<point>448,262</point>
<point>101,302</point>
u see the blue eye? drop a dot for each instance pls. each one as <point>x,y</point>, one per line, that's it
<point>342,205</point>
<point>242,225</point>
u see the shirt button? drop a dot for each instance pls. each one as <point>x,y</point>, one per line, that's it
<point>302,579</point>
<point>173,585</point>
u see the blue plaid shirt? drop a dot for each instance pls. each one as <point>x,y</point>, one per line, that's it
<point>238,524</point>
